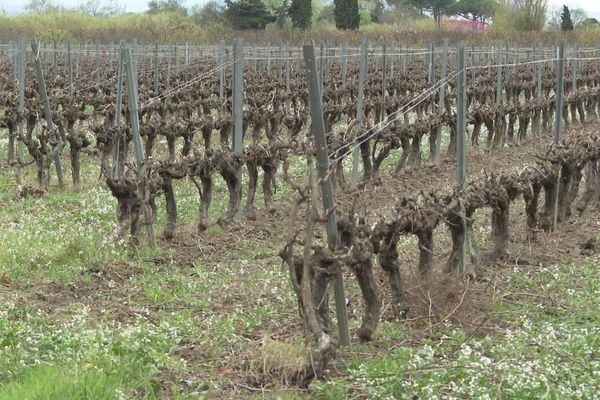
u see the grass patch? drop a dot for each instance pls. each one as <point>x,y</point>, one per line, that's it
<point>546,347</point>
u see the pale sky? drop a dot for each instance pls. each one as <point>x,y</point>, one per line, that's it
<point>592,7</point>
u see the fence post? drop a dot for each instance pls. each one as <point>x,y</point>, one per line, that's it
<point>118,108</point>
<point>70,69</point>
<point>321,72</point>
<point>461,127</point>
<point>238,92</point>
<point>403,58</point>
<point>318,130</point>
<point>132,103</point>
<point>441,103</point>
<point>560,88</point>
<point>383,84</point>
<point>560,76</point>
<point>97,63</point>
<point>431,70</point>
<point>280,74</point>
<point>598,59</point>
<point>288,56</point>
<point>221,71</point>
<point>575,66</point>
<point>362,74</point>
<point>538,73</point>
<point>156,70</point>
<point>176,55</point>
<point>47,112</point>
<point>134,118</point>
<point>344,61</point>
<point>21,72</point>
<point>78,60</point>
<point>499,83</point>
<point>473,69</point>
<point>392,58</point>
<point>54,58</point>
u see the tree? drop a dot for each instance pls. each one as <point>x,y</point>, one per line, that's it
<point>476,10</point>
<point>248,14</point>
<point>101,8</point>
<point>589,23</point>
<point>211,13</point>
<point>521,15</point>
<point>281,13</point>
<point>301,13</point>
<point>566,24</point>
<point>578,15</point>
<point>160,6</point>
<point>377,12</point>
<point>346,14</point>
<point>41,6</point>
<point>436,8</point>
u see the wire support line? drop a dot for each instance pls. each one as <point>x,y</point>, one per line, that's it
<point>185,85</point>
<point>387,121</point>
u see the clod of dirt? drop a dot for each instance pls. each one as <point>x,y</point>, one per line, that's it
<point>589,246</point>
<point>24,191</point>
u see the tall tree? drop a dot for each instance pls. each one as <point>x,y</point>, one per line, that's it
<point>589,23</point>
<point>248,14</point>
<point>101,8</point>
<point>158,6</point>
<point>301,13</point>
<point>41,6</point>
<point>521,15</point>
<point>346,14</point>
<point>377,11</point>
<point>211,13</point>
<point>566,23</point>
<point>281,13</point>
<point>436,8</point>
<point>476,10</point>
<point>578,15</point>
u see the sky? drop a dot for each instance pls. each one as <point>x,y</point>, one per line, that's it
<point>592,7</point>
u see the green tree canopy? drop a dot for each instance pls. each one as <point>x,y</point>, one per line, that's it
<point>436,8</point>
<point>589,23</point>
<point>474,9</point>
<point>301,13</point>
<point>521,15</point>
<point>346,14</point>
<point>566,24</point>
<point>377,11</point>
<point>41,6</point>
<point>101,8</point>
<point>211,13</point>
<point>248,14</point>
<point>159,6</point>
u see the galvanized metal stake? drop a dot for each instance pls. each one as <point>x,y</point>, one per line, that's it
<point>442,103</point>
<point>344,61</point>
<point>362,75</point>
<point>221,71</point>
<point>238,92</point>
<point>383,84</point>
<point>560,77</point>
<point>318,130</point>
<point>461,127</point>
<point>48,114</point>
<point>560,92</point>
<point>70,70</point>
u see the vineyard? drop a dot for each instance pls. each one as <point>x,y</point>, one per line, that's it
<point>425,226</point>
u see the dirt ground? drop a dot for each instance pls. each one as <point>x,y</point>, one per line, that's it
<point>434,300</point>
